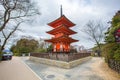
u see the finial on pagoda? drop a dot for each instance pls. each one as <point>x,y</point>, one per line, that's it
<point>61,11</point>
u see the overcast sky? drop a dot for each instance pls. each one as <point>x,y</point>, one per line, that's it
<point>78,11</point>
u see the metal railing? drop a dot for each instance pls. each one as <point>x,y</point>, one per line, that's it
<point>61,56</point>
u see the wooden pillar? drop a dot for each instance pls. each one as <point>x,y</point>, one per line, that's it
<point>61,47</point>
<point>54,50</point>
<point>69,47</point>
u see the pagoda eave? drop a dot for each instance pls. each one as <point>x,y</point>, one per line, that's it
<point>60,41</point>
<point>61,20</point>
<point>54,25</point>
<point>68,40</point>
<point>61,29</point>
<point>53,33</point>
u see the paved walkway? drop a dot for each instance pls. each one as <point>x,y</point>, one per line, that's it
<point>15,69</point>
<point>95,69</point>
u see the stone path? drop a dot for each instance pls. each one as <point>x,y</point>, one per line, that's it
<point>90,70</point>
<point>15,69</point>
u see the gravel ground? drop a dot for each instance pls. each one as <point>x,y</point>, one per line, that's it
<point>94,69</point>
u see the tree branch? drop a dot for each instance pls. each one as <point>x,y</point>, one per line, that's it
<point>95,30</point>
<point>7,37</point>
<point>3,34</point>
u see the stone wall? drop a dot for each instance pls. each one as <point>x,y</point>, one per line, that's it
<point>61,64</point>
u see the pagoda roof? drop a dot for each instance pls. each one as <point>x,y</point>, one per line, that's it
<point>62,39</point>
<point>62,20</point>
<point>62,29</point>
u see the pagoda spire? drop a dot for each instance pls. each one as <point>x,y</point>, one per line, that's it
<point>61,13</point>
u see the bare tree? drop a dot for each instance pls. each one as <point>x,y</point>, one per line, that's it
<point>12,14</point>
<point>7,36</point>
<point>95,31</point>
<point>15,10</point>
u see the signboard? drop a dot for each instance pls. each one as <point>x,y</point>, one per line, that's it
<point>117,35</point>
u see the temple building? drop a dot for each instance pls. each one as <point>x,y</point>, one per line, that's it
<point>61,32</point>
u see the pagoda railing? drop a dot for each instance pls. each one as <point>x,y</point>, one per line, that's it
<point>61,56</point>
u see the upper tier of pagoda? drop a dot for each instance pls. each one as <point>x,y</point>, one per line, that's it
<point>62,29</point>
<point>62,20</point>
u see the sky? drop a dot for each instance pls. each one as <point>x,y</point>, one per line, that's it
<point>78,11</point>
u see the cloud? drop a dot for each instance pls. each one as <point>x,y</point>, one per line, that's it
<point>78,11</point>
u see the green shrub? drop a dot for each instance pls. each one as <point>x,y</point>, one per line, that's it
<point>117,55</point>
<point>111,51</point>
<point>40,50</point>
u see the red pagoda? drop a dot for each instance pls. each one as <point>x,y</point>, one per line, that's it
<point>61,32</point>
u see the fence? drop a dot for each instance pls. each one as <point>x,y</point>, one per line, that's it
<point>115,65</point>
<point>61,56</point>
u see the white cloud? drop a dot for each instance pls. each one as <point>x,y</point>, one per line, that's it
<point>78,11</point>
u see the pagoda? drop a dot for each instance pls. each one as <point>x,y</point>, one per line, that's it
<point>61,32</point>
